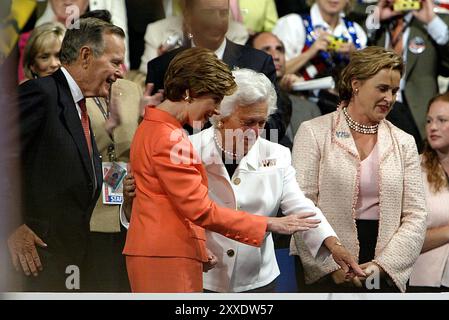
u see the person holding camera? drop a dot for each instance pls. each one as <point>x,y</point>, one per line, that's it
<point>421,37</point>
<point>316,42</point>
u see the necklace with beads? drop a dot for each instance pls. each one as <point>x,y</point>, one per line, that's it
<point>358,127</point>
<point>226,152</point>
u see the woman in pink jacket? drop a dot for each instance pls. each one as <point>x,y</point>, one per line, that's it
<point>364,175</point>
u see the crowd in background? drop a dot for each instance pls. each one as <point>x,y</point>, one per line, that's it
<point>355,98</point>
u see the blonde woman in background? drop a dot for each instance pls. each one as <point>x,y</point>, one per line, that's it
<point>41,54</point>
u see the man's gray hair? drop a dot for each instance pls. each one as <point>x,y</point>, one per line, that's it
<point>90,33</point>
<point>252,87</point>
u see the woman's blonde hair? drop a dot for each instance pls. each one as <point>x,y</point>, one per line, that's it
<point>199,71</point>
<point>364,64</point>
<point>436,176</point>
<point>41,37</point>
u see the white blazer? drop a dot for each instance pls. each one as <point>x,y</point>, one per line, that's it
<point>260,190</point>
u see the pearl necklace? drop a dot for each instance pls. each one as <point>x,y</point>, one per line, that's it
<point>358,127</point>
<point>226,152</point>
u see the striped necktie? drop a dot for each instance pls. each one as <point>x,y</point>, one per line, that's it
<point>85,124</point>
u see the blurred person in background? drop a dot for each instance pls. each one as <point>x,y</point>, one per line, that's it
<point>431,270</point>
<point>41,53</point>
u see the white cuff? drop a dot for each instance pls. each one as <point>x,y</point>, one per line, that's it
<point>123,220</point>
<point>438,30</point>
<point>314,239</point>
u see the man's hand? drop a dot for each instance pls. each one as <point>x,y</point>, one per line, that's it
<point>343,258</point>
<point>114,119</point>
<point>386,10</point>
<point>211,261</point>
<point>288,80</point>
<point>22,247</point>
<point>425,14</point>
<point>150,100</point>
<point>292,223</point>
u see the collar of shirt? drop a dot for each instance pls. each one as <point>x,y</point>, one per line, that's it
<point>219,52</point>
<point>317,20</point>
<point>168,8</point>
<point>75,90</point>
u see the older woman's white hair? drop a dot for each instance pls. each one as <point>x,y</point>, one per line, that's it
<point>252,87</point>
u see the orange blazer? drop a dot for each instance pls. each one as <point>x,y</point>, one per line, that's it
<point>172,206</point>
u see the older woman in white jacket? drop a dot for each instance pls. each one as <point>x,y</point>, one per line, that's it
<point>247,172</point>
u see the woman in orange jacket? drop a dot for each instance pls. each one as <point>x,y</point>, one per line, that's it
<point>165,247</point>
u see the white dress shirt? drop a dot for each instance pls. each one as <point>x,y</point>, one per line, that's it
<point>74,90</point>
<point>219,52</point>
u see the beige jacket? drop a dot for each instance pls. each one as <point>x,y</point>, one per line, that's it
<point>106,218</point>
<point>328,167</point>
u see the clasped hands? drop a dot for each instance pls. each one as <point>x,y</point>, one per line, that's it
<point>350,274</point>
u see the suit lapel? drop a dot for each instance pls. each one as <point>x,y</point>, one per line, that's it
<point>384,141</point>
<point>72,121</point>
<point>231,54</point>
<point>411,57</point>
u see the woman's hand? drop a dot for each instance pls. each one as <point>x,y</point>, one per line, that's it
<point>321,43</point>
<point>342,278</point>
<point>129,187</point>
<point>211,261</point>
<point>346,48</point>
<point>129,193</point>
<point>370,268</point>
<point>292,223</point>
<point>343,258</point>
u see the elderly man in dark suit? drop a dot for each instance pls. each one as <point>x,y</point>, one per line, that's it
<point>206,23</point>
<point>61,166</point>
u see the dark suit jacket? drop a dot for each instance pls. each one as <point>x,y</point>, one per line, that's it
<point>57,173</point>
<point>235,56</point>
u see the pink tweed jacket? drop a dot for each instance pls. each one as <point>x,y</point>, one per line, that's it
<point>328,168</point>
